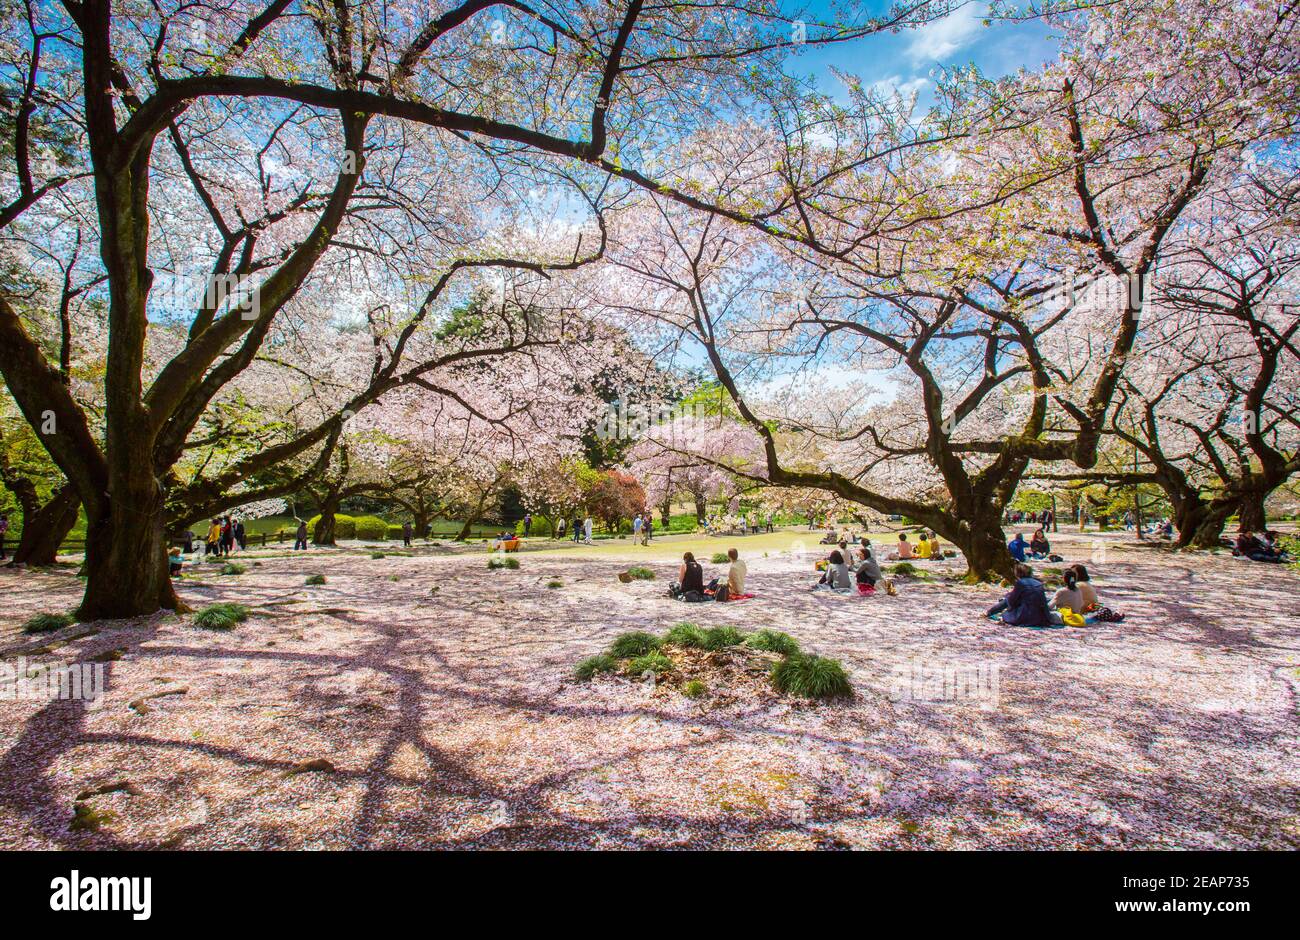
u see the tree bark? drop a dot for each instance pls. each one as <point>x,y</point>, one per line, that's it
<point>983,544</point>
<point>324,531</point>
<point>126,553</point>
<point>1251,515</point>
<point>45,529</point>
<point>701,507</point>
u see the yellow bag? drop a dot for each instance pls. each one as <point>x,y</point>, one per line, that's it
<point>1070,618</point>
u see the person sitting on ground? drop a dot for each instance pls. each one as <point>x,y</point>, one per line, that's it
<point>1018,547</point>
<point>904,550</point>
<point>1249,546</point>
<point>838,576</point>
<point>1026,604</point>
<point>923,546</point>
<point>1038,544</point>
<point>1084,584</point>
<point>1070,595</point>
<point>175,561</point>
<point>735,586</point>
<point>1273,545</point>
<point>690,576</point>
<point>831,536</point>
<point>936,550</point>
<point>866,571</point>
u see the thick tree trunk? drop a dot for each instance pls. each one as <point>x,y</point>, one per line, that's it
<point>126,556</point>
<point>701,507</point>
<point>985,550</point>
<point>665,515</point>
<point>473,517</point>
<point>421,525</point>
<point>1200,524</point>
<point>324,532</point>
<point>1251,515</point>
<point>45,529</point>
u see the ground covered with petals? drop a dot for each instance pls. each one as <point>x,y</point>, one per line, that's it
<point>424,701</point>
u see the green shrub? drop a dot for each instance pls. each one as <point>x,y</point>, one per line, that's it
<point>636,643</point>
<point>371,528</point>
<point>641,573</point>
<point>720,558</point>
<point>686,635</point>
<point>507,562</point>
<point>316,579</point>
<point>594,664</point>
<point>377,555</point>
<point>695,689</point>
<point>722,637</point>
<point>554,583</point>
<point>809,676</point>
<point>904,567</point>
<point>345,527</point>
<point>232,567</point>
<point>653,661</point>
<point>773,641</point>
<point>222,616</point>
<point>397,532</point>
<point>44,623</point>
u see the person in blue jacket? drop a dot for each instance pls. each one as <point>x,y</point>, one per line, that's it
<point>1026,605</point>
<point>1018,547</point>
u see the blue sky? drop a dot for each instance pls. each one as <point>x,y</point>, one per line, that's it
<point>905,59</point>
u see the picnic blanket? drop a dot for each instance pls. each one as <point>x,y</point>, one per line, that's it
<point>738,597</point>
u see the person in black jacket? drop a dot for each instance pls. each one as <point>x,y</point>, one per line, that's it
<point>1026,605</point>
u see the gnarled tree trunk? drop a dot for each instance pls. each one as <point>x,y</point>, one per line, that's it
<point>45,529</point>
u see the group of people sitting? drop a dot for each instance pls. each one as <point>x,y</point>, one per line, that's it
<point>846,572</point>
<point>1265,547</point>
<point>1037,547</point>
<point>690,586</point>
<point>1027,606</point>
<point>927,548</point>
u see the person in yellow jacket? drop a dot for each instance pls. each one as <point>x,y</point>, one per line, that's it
<point>214,537</point>
<point>923,546</point>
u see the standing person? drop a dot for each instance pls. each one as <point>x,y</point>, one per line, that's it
<point>586,529</point>
<point>559,528</point>
<point>4,531</point>
<point>227,538</point>
<point>636,528</point>
<point>528,524</point>
<point>769,523</point>
<point>187,537</point>
<point>241,536</point>
<point>300,543</point>
<point>577,529</point>
<point>408,531</point>
<point>212,545</point>
<point>647,529</point>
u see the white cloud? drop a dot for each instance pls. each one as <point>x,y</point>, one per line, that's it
<point>943,37</point>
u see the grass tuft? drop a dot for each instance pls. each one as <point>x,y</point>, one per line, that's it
<point>595,664</point>
<point>695,689</point>
<point>636,643</point>
<point>721,637</point>
<point>316,579</point>
<point>511,563</point>
<point>686,635</point>
<point>807,676</point>
<point>233,567</point>
<point>653,661</point>
<point>222,616</point>
<point>719,558</point>
<point>904,568</point>
<point>773,641</point>
<point>555,583</point>
<point>641,573</point>
<point>44,623</point>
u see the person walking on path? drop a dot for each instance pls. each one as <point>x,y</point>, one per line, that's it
<point>408,531</point>
<point>528,524</point>
<point>586,530</point>
<point>300,537</point>
<point>577,530</point>
<point>636,528</point>
<point>647,530</point>
<point>241,537</point>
